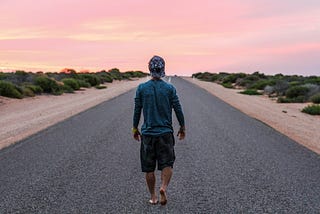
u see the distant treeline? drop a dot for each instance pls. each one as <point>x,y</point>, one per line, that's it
<point>285,88</point>
<point>21,84</point>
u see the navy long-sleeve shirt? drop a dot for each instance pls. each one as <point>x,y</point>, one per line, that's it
<point>157,99</point>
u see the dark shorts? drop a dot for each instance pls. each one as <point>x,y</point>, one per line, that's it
<point>157,149</point>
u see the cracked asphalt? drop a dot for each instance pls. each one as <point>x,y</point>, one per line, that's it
<point>228,163</point>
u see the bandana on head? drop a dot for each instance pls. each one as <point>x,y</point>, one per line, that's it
<point>156,67</point>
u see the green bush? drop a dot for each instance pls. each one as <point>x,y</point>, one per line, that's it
<point>197,75</point>
<point>7,89</point>
<point>83,84</point>
<point>297,91</point>
<point>35,88</point>
<point>101,87</point>
<point>299,99</point>
<point>92,79</point>
<point>250,92</point>
<point>245,83</point>
<point>107,79</point>
<point>139,74</point>
<point>313,80</point>
<point>27,92</point>
<point>214,77</point>
<point>67,89</point>
<point>281,87</point>
<point>105,76</point>
<point>49,85</point>
<point>230,78</point>
<point>283,100</point>
<point>295,83</point>
<point>2,75</point>
<point>73,83</point>
<point>261,84</point>
<point>315,98</point>
<point>115,73</point>
<point>312,109</point>
<point>227,85</point>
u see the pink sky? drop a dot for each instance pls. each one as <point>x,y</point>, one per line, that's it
<point>192,35</point>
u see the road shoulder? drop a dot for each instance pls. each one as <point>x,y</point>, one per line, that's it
<point>285,118</point>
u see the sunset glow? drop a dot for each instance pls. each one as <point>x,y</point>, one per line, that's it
<point>193,36</point>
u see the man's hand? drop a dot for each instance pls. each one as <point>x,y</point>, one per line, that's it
<point>136,134</point>
<point>181,133</point>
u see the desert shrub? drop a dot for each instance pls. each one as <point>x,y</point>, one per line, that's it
<point>48,85</point>
<point>7,89</point>
<point>281,87</point>
<point>67,89</point>
<point>268,90</point>
<point>230,78</point>
<point>101,87</point>
<point>312,80</point>
<point>27,92</point>
<point>252,78</point>
<point>139,74</point>
<point>115,73</point>
<point>68,73</point>
<point>83,84</point>
<point>2,75</point>
<point>206,76</point>
<point>105,76</point>
<point>283,100</point>
<point>19,89</point>
<point>126,76</point>
<point>108,79</point>
<point>294,78</point>
<point>261,84</point>
<point>294,83</point>
<point>214,77</point>
<point>312,89</point>
<point>129,74</point>
<point>244,82</point>
<point>312,109</point>
<point>197,75</point>
<point>315,98</point>
<point>297,91</point>
<point>35,88</point>
<point>259,75</point>
<point>92,79</point>
<point>73,83</point>
<point>250,92</point>
<point>20,76</point>
<point>227,85</point>
<point>299,99</point>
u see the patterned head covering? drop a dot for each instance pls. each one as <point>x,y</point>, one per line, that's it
<point>156,67</point>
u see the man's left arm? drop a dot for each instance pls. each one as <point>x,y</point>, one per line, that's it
<point>179,114</point>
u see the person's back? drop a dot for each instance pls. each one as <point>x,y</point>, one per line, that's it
<point>157,99</point>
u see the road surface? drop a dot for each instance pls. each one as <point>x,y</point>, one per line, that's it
<point>228,163</point>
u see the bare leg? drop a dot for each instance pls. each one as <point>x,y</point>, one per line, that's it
<point>151,183</point>
<point>166,174</point>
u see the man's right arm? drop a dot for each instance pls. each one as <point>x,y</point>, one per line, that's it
<point>137,114</point>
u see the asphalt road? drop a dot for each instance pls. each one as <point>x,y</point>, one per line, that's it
<point>229,163</point>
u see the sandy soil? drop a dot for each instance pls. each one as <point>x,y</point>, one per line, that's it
<point>286,118</point>
<point>22,118</point>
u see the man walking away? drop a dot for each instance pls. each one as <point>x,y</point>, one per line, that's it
<point>156,99</point>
